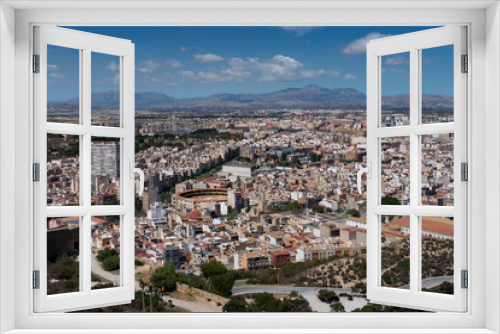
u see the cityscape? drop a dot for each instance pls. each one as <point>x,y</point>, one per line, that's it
<point>250,201</point>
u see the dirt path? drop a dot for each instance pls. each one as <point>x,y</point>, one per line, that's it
<point>97,269</point>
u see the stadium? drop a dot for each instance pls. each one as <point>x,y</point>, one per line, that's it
<point>199,199</point>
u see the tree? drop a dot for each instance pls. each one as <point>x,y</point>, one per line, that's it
<point>319,209</point>
<point>138,204</point>
<point>404,264</point>
<point>327,295</point>
<point>103,254</point>
<point>222,284</point>
<point>232,215</point>
<point>164,278</point>
<point>294,206</point>
<point>359,287</point>
<point>165,197</point>
<point>237,304</point>
<point>353,213</point>
<point>387,200</point>
<point>315,157</point>
<point>110,259</point>
<point>337,307</point>
<point>266,302</point>
<point>65,267</point>
<point>213,268</point>
<point>111,263</point>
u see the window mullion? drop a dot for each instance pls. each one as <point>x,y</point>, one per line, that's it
<point>86,173</point>
<point>414,168</point>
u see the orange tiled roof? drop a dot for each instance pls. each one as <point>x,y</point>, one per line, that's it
<point>437,225</point>
<point>195,214</point>
<point>98,220</point>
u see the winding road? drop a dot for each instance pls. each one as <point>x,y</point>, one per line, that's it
<point>310,293</point>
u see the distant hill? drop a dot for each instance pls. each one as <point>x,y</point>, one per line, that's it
<point>311,96</point>
<point>429,101</point>
<point>111,99</point>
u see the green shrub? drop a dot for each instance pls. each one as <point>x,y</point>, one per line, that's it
<point>111,263</point>
<point>326,295</point>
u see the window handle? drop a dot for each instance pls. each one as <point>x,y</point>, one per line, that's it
<point>139,171</point>
<point>368,171</point>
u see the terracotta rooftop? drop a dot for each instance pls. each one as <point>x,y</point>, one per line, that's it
<point>98,220</point>
<point>437,225</point>
<point>196,215</point>
<point>280,252</point>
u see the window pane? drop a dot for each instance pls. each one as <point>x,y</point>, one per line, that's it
<point>105,171</point>
<point>63,85</point>
<point>437,254</point>
<point>395,251</point>
<point>63,247</point>
<point>105,90</point>
<point>395,169</point>
<point>105,269</point>
<point>437,169</point>
<point>63,170</point>
<point>395,89</point>
<point>437,84</point>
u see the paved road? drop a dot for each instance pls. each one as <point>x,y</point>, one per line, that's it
<point>310,293</point>
<point>238,290</point>
<point>96,269</point>
<point>433,281</point>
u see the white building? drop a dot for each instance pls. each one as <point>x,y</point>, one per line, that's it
<point>241,170</point>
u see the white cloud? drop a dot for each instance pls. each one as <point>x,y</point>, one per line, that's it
<point>358,46</point>
<point>55,77</point>
<point>349,76</point>
<point>280,68</point>
<point>300,31</point>
<point>225,75</point>
<point>208,58</point>
<point>394,61</point>
<point>173,63</point>
<point>187,74</point>
<point>52,67</point>
<point>113,66</point>
<point>116,79</point>
<point>148,66</point>
<point>277,68</point>
<point>426,60</point>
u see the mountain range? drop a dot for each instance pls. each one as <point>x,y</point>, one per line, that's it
<point>311,96</point>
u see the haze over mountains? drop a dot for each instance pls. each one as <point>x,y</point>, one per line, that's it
<point>311,96</point>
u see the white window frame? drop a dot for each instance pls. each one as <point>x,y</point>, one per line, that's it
<point>484,50</point>
<point>413,43</point>
<point>85,44</point>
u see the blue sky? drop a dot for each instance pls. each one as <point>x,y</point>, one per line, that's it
<point>199,61</point>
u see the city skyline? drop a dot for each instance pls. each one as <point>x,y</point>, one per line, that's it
<point>186,62</point>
